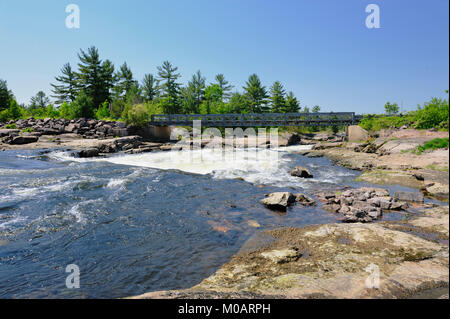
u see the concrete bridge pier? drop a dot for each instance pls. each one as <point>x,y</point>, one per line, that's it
<point>356,133</point>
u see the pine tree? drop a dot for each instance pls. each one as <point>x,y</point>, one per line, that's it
<point>224,85</point>
<point>188,102</point>
<point>256,94</point>
<point>171,89</point>
<point>5,95</point>
<point>67,90</point>
<point>277,97</point>
<point>38,102</point>
<point>150,87</point>
<point>316,109</point>
<point>197,87</point>
<point>292,105</point>
<point>95,77</point>
<point>238,103</point>
<point>124,81</point>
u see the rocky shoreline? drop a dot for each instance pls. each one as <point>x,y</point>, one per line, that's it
<point>410,257</point>
<point>324,261</point>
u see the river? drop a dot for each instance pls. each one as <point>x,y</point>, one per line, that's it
<point>144,222</point>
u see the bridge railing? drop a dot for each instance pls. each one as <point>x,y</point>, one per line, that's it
<point>257,119</point>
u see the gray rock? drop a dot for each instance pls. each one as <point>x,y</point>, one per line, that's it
<point>302,172</point>
<point>305,200</point>
<point>278,200</point>
<point>20,140</point>
<point>409,197</point>
<point>90,152</point>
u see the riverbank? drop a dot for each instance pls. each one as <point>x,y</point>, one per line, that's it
<point>339,260</point>
<point>331,260</point>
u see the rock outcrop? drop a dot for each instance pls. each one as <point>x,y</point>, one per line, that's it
<point>360,205</point>
<point>329,261</point>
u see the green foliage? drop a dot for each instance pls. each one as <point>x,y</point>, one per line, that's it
<point>256,94</point>
<point>14,110</point>
<point>103,111</point>
<point>292,105</point>
<point>238,104</point>
<point>170,87</point>
<point>316,109</point>
<point>434,144</point>
<point>5,95</point>
<point>224,85</point>
<point>28,130</point>
<point>391,109</point>
<point>140,114</point>
<point>51,112</point>
<point>374,122</point>
<point>434,113</point>
<point>67,89</point>
<point>95,78</point>
<point>11,126</point>
<point>150,87</point>
<point>83,106</point>
<point>65,111</point>
<point>277,97</point>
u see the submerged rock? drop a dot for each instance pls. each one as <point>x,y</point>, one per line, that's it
<point>300,171</point>
<point>278,200</point>
<point>409,197</point>
<point>305,200</point>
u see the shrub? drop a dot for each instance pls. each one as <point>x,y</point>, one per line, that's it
<point>11,126</point>
<point>28,130</point>
<point>82,106</point>
<point>51,111</point>
<point>434,144</point>
<point>140,114</point>
<point>65,111</point>
<point>433,114</point>
<point>102,112</point>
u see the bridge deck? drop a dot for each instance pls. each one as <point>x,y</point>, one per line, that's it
<point>260,119</point>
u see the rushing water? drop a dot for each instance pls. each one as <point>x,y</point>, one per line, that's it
<point>138,223</point>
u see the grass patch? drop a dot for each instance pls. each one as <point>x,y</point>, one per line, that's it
<point>28,130</point>
<point>11,126</point>
<point>434,144</point>
<point>436,168</point>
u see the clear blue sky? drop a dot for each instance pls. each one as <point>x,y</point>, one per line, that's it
<point>321,50</point>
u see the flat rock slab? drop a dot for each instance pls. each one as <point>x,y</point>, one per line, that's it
<point>336,261</point>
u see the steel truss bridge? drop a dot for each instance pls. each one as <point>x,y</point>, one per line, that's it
<point>258,119</point>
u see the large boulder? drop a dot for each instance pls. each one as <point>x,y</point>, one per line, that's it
<point>90,152</point>
<point>300,171</point>
<point>291,138</point>
<point>278,200</point>
<point>20,140</point>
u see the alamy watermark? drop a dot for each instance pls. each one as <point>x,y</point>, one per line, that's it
<point>236,144</point>
<point>373,280</point>
<point>73,19</point>
<point>373,19</point>
<point>73,279</point>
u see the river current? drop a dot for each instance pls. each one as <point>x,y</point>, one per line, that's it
<point>139,223</point>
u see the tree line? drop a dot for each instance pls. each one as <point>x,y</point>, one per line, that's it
<point>95,88</point>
